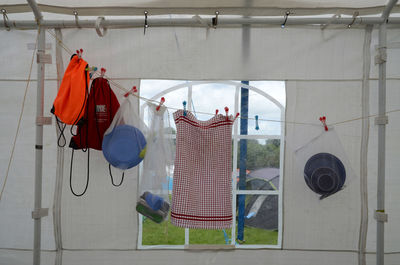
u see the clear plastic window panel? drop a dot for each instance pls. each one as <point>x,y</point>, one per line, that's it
<point>206,98</point>
<point>262,164</point>
<point>261,221</point>
<point>173,100</point>
<point>269,114</point>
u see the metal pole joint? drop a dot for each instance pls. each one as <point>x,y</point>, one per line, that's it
<point>381,216</point>
<point>381,57</point>
<point>381,120</point>
<point>39,213</point>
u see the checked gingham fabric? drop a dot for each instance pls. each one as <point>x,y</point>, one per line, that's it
<point>201,196</point>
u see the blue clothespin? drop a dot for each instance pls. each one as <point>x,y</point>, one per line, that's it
<point>184,108</point>
<point>91,70</point>
<point>257,127</point>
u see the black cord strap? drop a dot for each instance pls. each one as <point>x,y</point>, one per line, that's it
<point>112,179</point>
<point>70,175</point>
<point>61,127</point>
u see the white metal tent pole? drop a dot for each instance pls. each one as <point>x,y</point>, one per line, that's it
<point>388,8</point>
<point>35,9</point>
<point>380,232</point>
<point>381,121</point>
<point>38,211</point>
<point>60,160</point>
<point>192,22</point>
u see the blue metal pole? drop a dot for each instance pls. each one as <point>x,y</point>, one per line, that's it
<point>244,110</point>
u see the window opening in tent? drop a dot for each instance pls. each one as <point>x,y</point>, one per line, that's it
<point>261,173</point>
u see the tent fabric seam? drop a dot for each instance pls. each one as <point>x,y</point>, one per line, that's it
<point>364,147</point>
<point>60,164</point>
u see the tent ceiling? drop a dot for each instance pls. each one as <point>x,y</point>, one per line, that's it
<point>225,7</point>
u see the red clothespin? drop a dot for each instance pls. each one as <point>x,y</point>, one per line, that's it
<point>236,116</point>
<point>161,102</point>
<point>323,120</point>
<point>102,71</point>
<point>216,112</point>
<point>79,53</point>
<point>226,111</point>
<point>133,90</point>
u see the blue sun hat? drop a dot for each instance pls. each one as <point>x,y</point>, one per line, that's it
<point>325,174</point>
<point>124,147</point>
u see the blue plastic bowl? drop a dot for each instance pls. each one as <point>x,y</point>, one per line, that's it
<point>124,147</point>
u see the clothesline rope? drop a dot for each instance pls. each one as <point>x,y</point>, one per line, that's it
<point>70,52</point>
<point>20,118</point>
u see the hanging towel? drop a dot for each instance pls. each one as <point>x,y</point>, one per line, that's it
<point>202,184</point>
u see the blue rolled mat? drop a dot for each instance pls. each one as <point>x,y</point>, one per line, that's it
<point>155,202</point>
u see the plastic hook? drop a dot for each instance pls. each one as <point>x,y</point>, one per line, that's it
<point>287,13</point>
<point>146,25</point>
<point>75,13</point>
<point>215,20</point>
<point>257,127</point>
<point>5,19</point>
<point>216,112</point>
<point>323,120</point>
<point>100,20</point>
<point>161,102</point>
<point>355,15</point>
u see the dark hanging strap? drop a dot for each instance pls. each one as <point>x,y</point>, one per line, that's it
<point>71,130</point>
<point>61,126</point>
<point>112,179</point>
<point>109,165</point>
<point>70,175</point>
<point>77,121</point>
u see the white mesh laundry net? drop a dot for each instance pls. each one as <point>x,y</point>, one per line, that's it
<point>124,143</point>
<point>324,164</point>
<point>154,186</point>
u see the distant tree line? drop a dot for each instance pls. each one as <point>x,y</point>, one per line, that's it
<point>261,155</point>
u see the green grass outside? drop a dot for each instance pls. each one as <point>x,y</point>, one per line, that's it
<point>168,234</point>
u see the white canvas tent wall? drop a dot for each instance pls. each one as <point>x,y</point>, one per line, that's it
<point>328,71</point>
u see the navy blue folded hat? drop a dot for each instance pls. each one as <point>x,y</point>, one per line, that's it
<point>325,174</point>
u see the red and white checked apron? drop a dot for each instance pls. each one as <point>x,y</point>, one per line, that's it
<point>201,196</point>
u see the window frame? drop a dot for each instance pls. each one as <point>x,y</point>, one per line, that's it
<point>236,138</point>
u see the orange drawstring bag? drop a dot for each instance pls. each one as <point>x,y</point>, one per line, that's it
<point>70,103</point>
